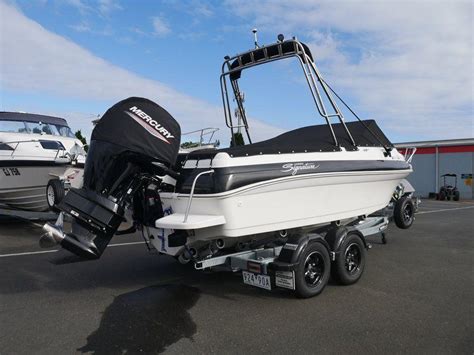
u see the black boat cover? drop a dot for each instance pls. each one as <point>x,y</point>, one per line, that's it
<point>140,126</point>
<point>308,139</point>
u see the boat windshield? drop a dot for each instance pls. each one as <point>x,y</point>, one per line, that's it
<point>65,131</point>
<point>35,128</point>
<point>13,126</point>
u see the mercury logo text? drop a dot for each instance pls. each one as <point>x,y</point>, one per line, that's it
<point>141,117</point>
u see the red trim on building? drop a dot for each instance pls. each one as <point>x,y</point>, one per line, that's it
<point>449,149</point>
<point>457,149</point>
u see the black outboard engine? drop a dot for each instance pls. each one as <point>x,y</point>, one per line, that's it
<point>134,143</point>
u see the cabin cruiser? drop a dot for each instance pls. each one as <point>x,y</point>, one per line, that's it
<point>230,198</point>
<point>39,155</point>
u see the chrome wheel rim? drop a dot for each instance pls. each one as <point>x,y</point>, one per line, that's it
<point>50,195</point>
<point>314,269</point>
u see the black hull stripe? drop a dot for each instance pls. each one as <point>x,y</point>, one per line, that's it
<point>265,183</point>
<point>23,163</point>
<point>229,178</point>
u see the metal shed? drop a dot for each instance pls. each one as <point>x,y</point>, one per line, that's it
<point>435,158</point>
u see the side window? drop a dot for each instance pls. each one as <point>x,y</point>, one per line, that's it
<point>4,146</point>
<point>13,126</point>
<point>52,145</point>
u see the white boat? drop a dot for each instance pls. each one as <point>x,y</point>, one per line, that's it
<point>255,192</point>
<point>34,151</point>
<point>204,140</point>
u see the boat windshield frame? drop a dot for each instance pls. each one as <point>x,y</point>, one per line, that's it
<point>233,66</point>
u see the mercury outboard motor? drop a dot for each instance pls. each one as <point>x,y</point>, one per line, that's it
<point>134,143</point>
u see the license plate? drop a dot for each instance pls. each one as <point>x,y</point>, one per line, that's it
<point>258,280</point>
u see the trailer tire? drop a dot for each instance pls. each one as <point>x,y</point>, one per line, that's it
<point>349,265</point>
<point>404,212</point>
<point>54,193</point>
<point>313,270</point>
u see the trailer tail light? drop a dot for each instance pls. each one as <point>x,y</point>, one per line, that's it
<point>254,267</point>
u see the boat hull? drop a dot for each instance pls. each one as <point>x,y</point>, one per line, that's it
<point>291,202</point>
<point>24,187</point>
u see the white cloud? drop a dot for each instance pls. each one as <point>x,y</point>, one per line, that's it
<point>35,60</point>
<point>408,63</point>
<point>160,26</point>
<point>196,8</point>
<point>107,6</point>
<point>200,8</point>
<point>85,27</point>
<point>102,7</point>
<point>79,5</point>
<point>81,27</point>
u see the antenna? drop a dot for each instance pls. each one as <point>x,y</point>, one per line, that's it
<point>254,31</point>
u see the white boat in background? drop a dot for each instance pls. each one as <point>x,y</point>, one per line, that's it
<point>39,156</point>
<point>204,142</point>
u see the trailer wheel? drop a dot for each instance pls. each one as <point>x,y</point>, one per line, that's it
<point>404,212</point>
<point>313,270</point>
<point>54,193</point>
<point>350,261</point>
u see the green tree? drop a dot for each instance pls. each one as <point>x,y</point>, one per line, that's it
<point>238,140</point>
<point>185,145</point>
<point>83,140</point>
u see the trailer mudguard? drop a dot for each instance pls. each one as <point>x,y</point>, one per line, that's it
<point>336,236</point>
<point>292,250</point>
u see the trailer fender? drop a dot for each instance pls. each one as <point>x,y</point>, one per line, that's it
<point>336,236</point>
<point>295,246</point>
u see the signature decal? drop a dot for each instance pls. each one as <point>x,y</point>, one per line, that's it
<point>295,167</point>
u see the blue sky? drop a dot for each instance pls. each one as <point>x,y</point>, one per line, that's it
<point>75,58</point>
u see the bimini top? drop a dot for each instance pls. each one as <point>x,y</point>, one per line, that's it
<point>331,138</point>
<point>316,138</point>
<point>31,117</point>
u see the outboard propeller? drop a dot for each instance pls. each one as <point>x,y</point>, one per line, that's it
<point>52,235</point>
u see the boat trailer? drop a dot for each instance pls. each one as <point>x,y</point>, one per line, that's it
<point>305,261</point>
